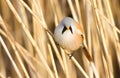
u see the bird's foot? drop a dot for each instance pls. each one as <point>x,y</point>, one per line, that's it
<point>70,55</point>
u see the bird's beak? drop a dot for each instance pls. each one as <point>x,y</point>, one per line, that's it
<point>68,27</point>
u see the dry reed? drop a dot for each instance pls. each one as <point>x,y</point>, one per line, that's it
<point>28,49</point>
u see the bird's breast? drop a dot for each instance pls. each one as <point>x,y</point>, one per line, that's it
<point>69,41</point>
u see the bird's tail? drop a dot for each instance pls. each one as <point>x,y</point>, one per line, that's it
<point>87,53</point>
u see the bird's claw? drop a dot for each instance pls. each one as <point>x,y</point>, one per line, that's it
<point>70,55</point>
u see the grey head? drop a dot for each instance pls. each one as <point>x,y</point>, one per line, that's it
<point>68,24</point>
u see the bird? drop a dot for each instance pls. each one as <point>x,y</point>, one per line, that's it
<point>70,36</point>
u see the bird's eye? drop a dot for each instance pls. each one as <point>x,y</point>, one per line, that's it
<point>64,29</point>
<point>71,30</point>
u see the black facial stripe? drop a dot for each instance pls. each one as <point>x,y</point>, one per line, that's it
<point>71,30</point>
<point>64,29</point>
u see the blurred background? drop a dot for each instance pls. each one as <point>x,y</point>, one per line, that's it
<point>28,49</point>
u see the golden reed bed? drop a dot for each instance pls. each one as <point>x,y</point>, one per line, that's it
<point>28,49</point>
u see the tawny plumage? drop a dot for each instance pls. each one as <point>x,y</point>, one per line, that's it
<point>69,34</point>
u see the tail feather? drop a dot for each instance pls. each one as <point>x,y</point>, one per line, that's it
<point>87,54</point>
